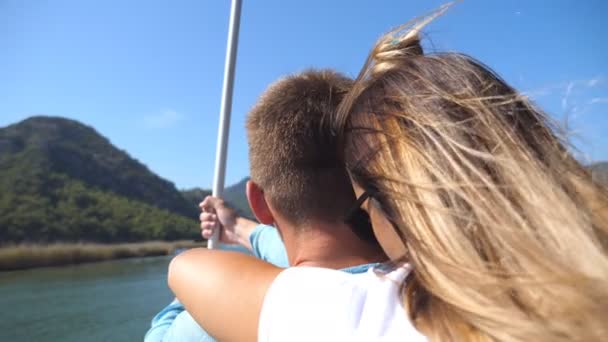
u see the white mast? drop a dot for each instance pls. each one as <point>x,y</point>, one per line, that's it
<point>225,109</point>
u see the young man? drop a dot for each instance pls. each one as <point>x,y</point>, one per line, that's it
<point>298,185</point>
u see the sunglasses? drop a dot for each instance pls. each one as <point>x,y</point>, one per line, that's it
<point>359,221</point>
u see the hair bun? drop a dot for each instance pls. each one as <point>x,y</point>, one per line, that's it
<point>402,42</point>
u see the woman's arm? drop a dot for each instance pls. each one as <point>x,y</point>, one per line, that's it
<point>223,291</point>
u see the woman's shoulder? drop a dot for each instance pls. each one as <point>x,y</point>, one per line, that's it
<point>305,303</point>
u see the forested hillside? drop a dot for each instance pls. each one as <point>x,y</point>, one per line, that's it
<point>62,181</point>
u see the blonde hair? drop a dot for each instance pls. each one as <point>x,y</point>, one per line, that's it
<point>506,231</point>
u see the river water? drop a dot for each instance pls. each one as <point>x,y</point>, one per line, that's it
<point>106,301</point>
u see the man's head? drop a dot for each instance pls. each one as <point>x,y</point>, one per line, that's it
<point>292,152</point>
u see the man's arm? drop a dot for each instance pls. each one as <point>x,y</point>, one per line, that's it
<point>175,324</point>
<point>267,245</point>
<point>163,321</point>
<point>264,241</point>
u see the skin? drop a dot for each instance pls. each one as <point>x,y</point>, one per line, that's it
<point>383,229</point>
<point>235,229</point>
<point>307,244</point>
<point>211,277</point>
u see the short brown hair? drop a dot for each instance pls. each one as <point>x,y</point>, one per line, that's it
<point>292,152</point>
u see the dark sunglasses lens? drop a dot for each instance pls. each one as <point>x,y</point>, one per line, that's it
<point>362,226</point>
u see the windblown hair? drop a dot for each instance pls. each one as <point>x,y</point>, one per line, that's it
<point>507,233</point>
<point>292,152</point>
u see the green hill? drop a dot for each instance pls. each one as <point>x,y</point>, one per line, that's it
<point>195,196</point>
<point>62,181</point>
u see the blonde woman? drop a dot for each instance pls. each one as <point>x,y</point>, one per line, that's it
<point>495,232</point>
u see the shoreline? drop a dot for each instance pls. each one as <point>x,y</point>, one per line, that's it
<point>26,256</point>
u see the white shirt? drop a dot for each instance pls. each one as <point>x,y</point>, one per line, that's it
<point>317,304</point>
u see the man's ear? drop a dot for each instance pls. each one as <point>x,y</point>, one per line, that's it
<point>257,203</point>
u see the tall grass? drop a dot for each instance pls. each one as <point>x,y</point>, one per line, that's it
<point>15,257</point>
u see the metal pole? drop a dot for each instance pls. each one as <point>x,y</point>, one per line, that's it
<point>226,108</point>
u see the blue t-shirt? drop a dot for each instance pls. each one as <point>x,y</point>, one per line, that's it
<point>174,323</point>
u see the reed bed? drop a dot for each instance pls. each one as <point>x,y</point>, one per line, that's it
<point>23,256</point>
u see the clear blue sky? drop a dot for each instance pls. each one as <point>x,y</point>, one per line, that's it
<point>148,74</point>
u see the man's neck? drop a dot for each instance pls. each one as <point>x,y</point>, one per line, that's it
<point>327,245</point>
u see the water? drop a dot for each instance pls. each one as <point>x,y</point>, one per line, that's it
<point>107,301</point>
